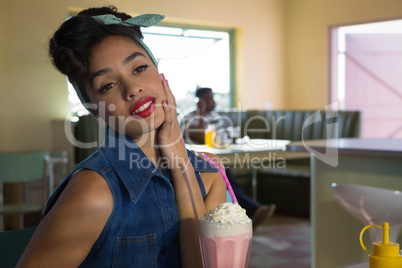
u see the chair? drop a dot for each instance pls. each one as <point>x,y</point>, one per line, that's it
<point>21,167</point>
<point>371,205</point>
<point>12,245</point>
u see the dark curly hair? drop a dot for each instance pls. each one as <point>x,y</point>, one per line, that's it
<point>202,91</point>
<point>71,44</point>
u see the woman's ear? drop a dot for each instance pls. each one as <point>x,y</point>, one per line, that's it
<point>95,112</point>
<point>101,122</point>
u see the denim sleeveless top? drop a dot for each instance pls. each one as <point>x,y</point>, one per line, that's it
<point>142,230</point>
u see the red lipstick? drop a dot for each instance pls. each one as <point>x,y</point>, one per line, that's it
<point>144,107</point>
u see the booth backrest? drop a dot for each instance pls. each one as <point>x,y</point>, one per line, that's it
<point>258,124</point>
<point>295,124</point>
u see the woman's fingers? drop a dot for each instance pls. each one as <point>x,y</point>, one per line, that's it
<point>166,103</point>
<point>170,132</point>
<point>167,110</point>
<point>169,95</point>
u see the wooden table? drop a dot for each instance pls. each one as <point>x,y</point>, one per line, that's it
<point>371,162</point>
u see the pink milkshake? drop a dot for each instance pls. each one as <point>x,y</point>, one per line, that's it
<point>225,237</point>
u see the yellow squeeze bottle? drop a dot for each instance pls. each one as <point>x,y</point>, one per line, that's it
<point>385,254</point>
<point>209,137</point>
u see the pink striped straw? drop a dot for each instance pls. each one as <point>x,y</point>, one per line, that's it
<point>224,177</point>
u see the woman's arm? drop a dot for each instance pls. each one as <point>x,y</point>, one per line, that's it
<point>188,196</point>
<point>66,234</point>
<point>214,185</point>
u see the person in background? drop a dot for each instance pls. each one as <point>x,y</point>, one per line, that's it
<point>137,201</point>
<point>195,122</point>
<point>193,126</point>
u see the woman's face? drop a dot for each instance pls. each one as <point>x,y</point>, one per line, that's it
<point>126,87</point>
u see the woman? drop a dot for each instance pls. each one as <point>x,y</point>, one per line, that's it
<point>135,202</point>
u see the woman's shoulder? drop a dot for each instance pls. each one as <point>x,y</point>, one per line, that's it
<point>86,201</point>
<point>90,189</point>
<point>85,191</point>
<point>213,181</point>
<point>77,218</point>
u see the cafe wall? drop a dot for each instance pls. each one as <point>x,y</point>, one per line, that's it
<point>282,51</point>
<point>307,43</point>
<point>33,93</point>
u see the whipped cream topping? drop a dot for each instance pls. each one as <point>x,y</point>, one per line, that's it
<point>230,213</point>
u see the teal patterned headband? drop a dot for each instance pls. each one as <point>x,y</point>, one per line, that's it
<point>144,20</point>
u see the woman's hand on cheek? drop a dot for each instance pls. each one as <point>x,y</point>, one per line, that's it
<point>169,135</point>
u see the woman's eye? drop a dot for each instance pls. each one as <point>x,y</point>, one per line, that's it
<point>105,88</point>
<point>141,68</point>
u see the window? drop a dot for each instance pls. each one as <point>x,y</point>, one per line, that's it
<point>192,58</point>
<point>365,75</point>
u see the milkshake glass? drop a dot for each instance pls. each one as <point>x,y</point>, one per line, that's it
<point>225,237</point>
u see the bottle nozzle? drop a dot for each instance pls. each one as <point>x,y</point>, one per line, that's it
<point>385,233</point>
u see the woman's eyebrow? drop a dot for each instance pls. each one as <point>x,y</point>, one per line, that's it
<point>98,73</point>
<point>132,57</point>
<point>108,70</point>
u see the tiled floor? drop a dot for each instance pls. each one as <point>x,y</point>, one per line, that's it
<point>281,242</point>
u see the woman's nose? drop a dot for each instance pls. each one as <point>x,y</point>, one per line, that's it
<point>131,90</point>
